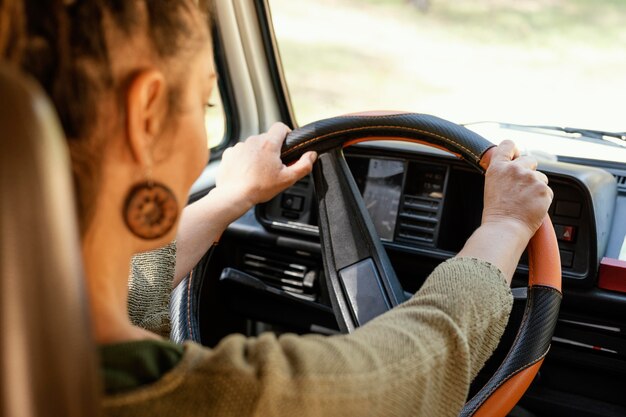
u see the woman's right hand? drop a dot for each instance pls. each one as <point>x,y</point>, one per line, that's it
<point>516,201</point>
<point>516,193</point>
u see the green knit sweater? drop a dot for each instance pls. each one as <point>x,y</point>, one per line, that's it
<point>415,360</point>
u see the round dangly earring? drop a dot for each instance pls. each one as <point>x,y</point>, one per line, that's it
<point>150,210</point>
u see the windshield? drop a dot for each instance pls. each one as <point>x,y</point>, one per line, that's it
<point>528,62</point>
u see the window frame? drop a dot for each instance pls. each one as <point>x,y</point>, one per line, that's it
<point>274,63</point>
<point>227,96</point>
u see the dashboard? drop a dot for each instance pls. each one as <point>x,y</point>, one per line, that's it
<point>424,204</point>
<point>430,204</point>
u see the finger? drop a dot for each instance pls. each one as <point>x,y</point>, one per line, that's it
<point>301,167</point>
<point>506,151</point>
<point>227,152</point>
<point>541,177</point>
<point>527,162</point>
<point>277,134</point>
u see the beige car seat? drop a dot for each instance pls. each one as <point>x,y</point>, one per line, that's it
<point>48,365</point>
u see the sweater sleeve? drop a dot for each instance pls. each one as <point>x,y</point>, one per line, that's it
<point>415,360</point>
<point>150,287</point>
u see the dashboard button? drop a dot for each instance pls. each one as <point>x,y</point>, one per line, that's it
<point>567,209</point>
<point>565,233</point>
<point>292,202</point>
<point>567,258</point>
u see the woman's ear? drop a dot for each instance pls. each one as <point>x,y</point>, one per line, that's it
<point>146,109</point>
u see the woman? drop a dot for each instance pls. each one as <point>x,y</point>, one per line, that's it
<point>130,80</point>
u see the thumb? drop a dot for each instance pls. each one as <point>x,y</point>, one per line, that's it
<point>506,151</point>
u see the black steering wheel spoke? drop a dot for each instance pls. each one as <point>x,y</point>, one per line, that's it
<point>361,281</point>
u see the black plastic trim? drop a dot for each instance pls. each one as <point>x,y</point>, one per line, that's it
<point>349,237</point>
<point>248,295</point>
<point>589,276</point>
<point>578,278</point>
<point>365,296</point>
<point>594,302</point>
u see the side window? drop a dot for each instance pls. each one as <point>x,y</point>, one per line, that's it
<point>215,121</point>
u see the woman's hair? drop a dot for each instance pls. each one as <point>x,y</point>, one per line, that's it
<point>70,47</point>
<point>11,30</point>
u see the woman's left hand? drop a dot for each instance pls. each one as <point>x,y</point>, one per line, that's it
<point>252,172</point>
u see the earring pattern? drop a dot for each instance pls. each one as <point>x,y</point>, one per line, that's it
<point>150,210</point>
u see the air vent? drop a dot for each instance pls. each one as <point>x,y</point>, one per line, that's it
<point>418,219</point>
<point>295,278</point>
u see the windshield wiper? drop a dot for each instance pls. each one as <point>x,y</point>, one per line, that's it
<point>589,133</point>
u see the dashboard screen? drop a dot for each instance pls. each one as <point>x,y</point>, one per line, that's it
<point>381,193</point>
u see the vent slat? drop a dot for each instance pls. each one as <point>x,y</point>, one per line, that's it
<point>269,277</point>
<point>295,278</point>
<point>418,219</point>
<point>418,237</point>
<point>417,228</point>
<point>279,270</point>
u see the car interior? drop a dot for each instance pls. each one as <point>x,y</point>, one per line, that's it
<point>282,266</point>
<point>268,271</point>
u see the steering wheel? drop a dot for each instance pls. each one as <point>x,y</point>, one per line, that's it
<point>359,276</point>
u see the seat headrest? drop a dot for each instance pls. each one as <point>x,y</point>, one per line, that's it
<point>48,357</point>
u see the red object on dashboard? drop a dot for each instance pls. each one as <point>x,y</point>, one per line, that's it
<point>612,275</point>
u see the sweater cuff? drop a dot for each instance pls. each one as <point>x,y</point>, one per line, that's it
<point>489,271</point>
<point>473,281</point>
<point>150,287</point>
<point>478,299</point>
